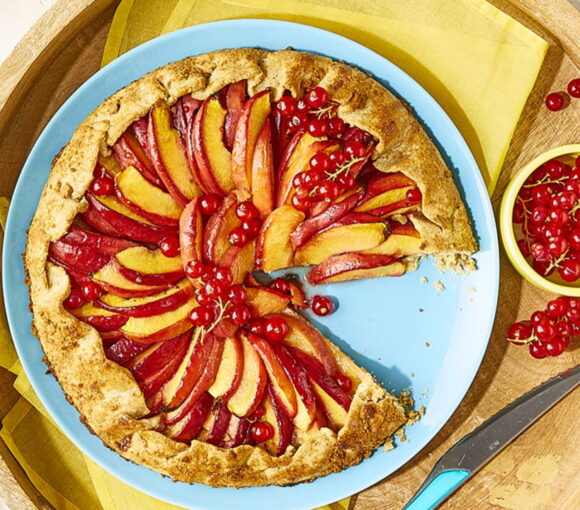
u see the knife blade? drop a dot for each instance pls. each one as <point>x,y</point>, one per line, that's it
<point>477,448</point>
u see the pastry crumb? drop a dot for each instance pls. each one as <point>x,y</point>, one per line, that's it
<point>438,286</point>
<point>471,288</point>
<point>458,262</point>
<point>411,374</point>
<point>421,309</point>
<point>427,344</point>
<point>423,279</point>
<point>388,446</point>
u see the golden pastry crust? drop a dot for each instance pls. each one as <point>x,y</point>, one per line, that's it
<point>106,395</point>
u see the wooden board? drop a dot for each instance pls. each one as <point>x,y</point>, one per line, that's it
<point>538,471</point>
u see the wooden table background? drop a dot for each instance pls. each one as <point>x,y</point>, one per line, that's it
<point>539,470</point>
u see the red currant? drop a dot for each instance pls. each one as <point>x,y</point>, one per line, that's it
<point>524,248</point>
<point>344,382</point>
<point>75,299</point>
<point>539,214</point>
<point>202,298</point>
<point>539,252</point>
<point>223,276</point>
<point>320,161</point>
<point>322,305</point>
<point>354,149</point>
<point>555,346</point>
<point>298,121</point>
<point>312,178</point>
<point>102,186</point>
<point>251,227</point>
<point>557,246</point>
<point>238,237</point>
<point>261,431</point>
<point>281,285</point>
<point>194,268</point>
<point>569,270</point>
<point>519,332</point>
<point>302,106</point>
<point>574,238</point>
<point>563,329</point>
<point>318,128</point>
<point>567,200</point>
<point>275,328</point>
<point>539,318</point>
<point>90,291</point>
<point>169,246</point>
<point>240,314</point>
<point>554,168</point>
<point>574,87</point>
<point>542,268</point>
<point>336,158</point>
<point>336,127</point>
<point>541,194</point>
<point>518,215</point>
<point>202,315</point>
<point>558,217</point>
<point>236,294</point>
<point>298,179</point>
<point>345,181</point>
<point>286,106</point>
<point>256,326</point>
<point>209,204</point>
<point>555,101</point>
<point>247,211</point>
<point>300,203</point>
<point>545,331</point>
<point>208,273</point>
<point>213,289</point>
<point>328,191</point>
<point>414,195</point>
<point>557,307</point>
<point>317,97</point>
<point>537,350</point>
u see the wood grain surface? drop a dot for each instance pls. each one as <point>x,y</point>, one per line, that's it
<point>539,470</point>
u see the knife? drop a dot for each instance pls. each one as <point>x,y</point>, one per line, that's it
<point>474,450</point>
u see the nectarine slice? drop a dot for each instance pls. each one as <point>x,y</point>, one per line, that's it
<point>168,156</point>
<point>145,199</point>
<point>158,328</point>
<point>129,152</point>
<point>341,239</point>
<point>253,384</point>
<point>273,246</point>
<point>403,240</point>
<point>111,279</point>
<point>149,267</point>
<point>219,225</point>
<point>230,370</point>
<point>265,301</point>
<point>350,266</point>
<point>213,159</point>
<point>249,126</point>
<point>101,320</point>
<point>263,172</point>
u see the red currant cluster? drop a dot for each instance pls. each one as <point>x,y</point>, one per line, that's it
<point>313,112</point>
<point>329,175</point>
<point>86,292</point>
<point>217,298</point>
<point>557,100</point>
<point>548,332</point>
<point>546,208</point>
<point>249,215</point>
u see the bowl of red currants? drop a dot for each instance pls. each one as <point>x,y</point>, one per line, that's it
<point>540,221</point>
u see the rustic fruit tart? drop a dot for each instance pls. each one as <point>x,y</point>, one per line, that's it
<point>142,252</point>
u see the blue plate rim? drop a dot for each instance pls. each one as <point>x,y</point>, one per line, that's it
<point>418,92</point>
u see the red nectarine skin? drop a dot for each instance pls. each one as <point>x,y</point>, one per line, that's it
<point>191,232</point>
<point>347,262</point>
<point>316,223</point>
<point>316,372</point>
<point>129,152</point>
<point>154,383</point>
<point>104,323</point>
<point>193,422</point>
<point>123,350</point>
<point>285,425</point>
<point>298,376</point>
<point>161,279</point>
<point>250,123</point>
<point>123,226</point>
<point>81,258</point>
<point>235,98</point>
<point>101,243</point>
<point>152,360</point>
<point>216,434</point>
<point>263,172</point>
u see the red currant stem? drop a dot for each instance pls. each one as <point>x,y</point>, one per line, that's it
<point>525,223</point>
<point>319,112</point>
<point>343,168</point>
<point>556,263</point>
<point>221,315</point>
<point>545,180</point>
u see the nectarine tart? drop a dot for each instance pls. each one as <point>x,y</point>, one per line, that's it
<point>142,254</point>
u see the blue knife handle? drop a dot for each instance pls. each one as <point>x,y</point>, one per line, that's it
<point>438,489</point>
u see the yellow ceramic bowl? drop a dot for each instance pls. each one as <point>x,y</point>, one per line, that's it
<point>554,283</point>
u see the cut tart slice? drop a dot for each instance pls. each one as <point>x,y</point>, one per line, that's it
<point>140,261</point>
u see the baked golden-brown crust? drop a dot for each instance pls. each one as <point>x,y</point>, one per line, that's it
<point>106,395</point>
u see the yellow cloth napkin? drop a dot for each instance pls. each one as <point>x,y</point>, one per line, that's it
<point>477,62</point>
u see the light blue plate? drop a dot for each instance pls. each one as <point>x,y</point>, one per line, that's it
<point>406,332</point>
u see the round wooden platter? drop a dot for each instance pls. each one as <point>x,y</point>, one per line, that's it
<point>538,470</point>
